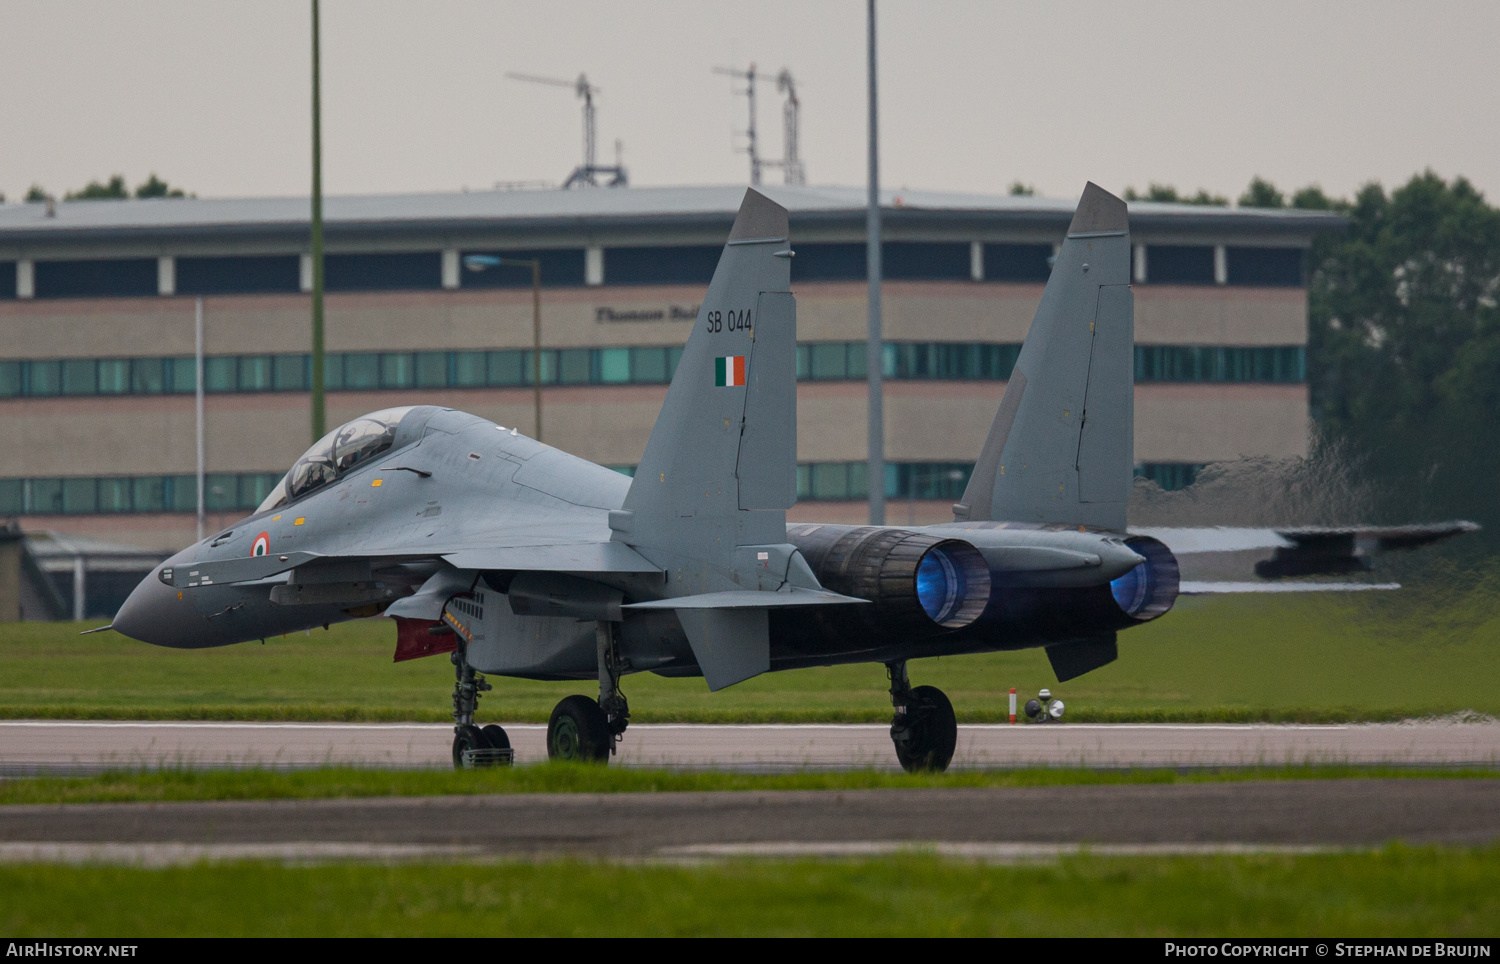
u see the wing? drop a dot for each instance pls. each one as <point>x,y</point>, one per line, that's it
<point>1307,550</point>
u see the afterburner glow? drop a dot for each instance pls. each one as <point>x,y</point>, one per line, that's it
<point>1130,589</point>
<point>940,586</point>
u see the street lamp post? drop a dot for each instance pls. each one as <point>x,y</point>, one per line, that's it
<point>481,262</point>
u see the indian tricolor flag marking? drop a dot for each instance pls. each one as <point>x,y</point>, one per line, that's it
<point>729,370</point>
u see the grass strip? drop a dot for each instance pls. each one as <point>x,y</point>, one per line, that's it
<point>1418,653</point>
<point>264,784</point>
<point>1397,892</point>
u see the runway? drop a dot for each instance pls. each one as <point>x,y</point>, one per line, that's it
<point>43,746</point>
<point>989,823</point>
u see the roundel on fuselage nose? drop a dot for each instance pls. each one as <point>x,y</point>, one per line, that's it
<point>262,544</point>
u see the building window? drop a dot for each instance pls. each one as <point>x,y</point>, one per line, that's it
<point>1171,476</point>
<point>289,372</point>
<point>614,365</point>
<point>575,367</point>
<point>43,378</point>
<point>361,372</point>
<point>388,271</point>
<point>221,374</point>
<point>828,262</point>
<point>505,368</point>
<point>665,265</point>
<point>12,496</point>
<point>1266,267</point>
<point>1284,364</point>
<point>148,376</point>
<point>126,277</point>
<point>560,268</point>
<point>7,280</point>
<point>80,376</point>
<point>149,493</point>
<point>1017,262</point>
<point>240,275</point>
<point>396,370</point>
<point>925,261</point>
<point>1175,264</point>
<point>469,369</point>
<point>432,369</point>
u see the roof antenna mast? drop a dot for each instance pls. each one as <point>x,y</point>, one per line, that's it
<point>751,148</point>
<point>791,163</point>
<point>588,173</point>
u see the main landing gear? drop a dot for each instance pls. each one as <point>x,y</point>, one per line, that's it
<point>924,730</point>
<point>585,731</point>
<point>474,746</point>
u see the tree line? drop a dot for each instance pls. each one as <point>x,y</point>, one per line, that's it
<point>1403,355</point>
<point>113,189</point>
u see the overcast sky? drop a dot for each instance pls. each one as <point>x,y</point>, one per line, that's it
<point>974,95</point>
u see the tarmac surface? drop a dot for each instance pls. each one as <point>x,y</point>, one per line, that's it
<point>988,823</point>
<point>991,824</point>
<point>43,746</point>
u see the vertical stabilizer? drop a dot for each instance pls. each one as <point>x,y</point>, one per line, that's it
<point>1061,449</point>
<point>720,467</point>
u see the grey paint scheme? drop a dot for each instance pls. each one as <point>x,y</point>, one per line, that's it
<point>1061,448</point>
<point>524,548</point>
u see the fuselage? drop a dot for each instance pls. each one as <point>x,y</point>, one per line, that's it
<point>376,531</point>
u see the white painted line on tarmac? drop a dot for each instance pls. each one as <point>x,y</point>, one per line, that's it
<point>1004,852</point>
<point>1019,728</point>
<point>170,854</point>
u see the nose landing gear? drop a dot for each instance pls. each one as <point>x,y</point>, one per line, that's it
<point>474,746</point>
<point>925,730</point>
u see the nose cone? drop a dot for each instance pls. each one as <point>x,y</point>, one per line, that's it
<point>156,613</point>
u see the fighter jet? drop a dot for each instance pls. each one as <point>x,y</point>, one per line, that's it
<point>521,560</point>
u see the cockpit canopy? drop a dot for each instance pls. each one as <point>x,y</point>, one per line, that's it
<point>342,450</point>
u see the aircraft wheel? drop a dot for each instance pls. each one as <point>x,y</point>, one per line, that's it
<point>495,737</point>
<point>467,738</point>
<point>578,732</point>
<point>926,739</point>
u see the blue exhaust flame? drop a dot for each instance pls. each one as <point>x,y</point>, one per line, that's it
<point>1132,589</point>
<point>940,586</point>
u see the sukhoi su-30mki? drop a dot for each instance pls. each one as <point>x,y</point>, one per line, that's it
<point>522,560</point>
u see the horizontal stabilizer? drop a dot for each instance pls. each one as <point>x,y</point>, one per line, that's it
<point>1071,660</point>
<point>1216,588</point>
<point>730,645</point>
<point>578,557</point>
<point>1185,540</point>
<point>750,599</point>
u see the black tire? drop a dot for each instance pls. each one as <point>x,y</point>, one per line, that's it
<point>578,732</point>
<point>495,737</point>
<point>931,732</point>
<point>466,738</point>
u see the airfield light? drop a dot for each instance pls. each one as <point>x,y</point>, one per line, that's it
<point>479,262</point>
<point>483,262</point>
<point>1033,710</point>
<point>1055,710</point>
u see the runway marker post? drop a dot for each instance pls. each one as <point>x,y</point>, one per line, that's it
<point>1012,706</point>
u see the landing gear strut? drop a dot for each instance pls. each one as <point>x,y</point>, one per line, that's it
<point>474,746</point>
<point>583,730</point>
<point>924,730</point>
